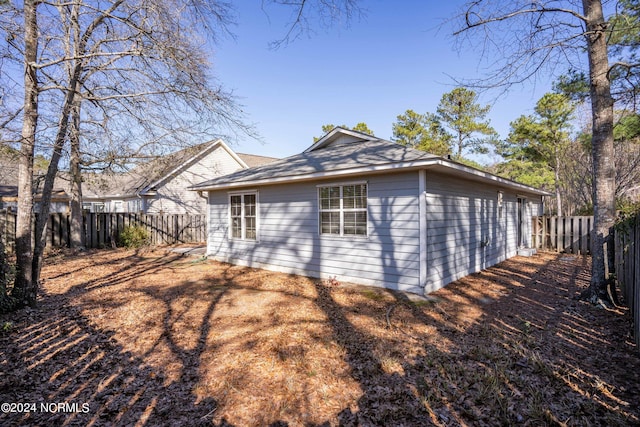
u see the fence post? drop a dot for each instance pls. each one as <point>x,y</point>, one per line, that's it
<point>635,280</point>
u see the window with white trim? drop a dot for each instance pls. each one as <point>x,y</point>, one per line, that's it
<point>243,216</point>
<point>343,210</point>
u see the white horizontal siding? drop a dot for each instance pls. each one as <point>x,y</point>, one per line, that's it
<point>465,232</point>
<point>289,240</point>
<point>172,194</point>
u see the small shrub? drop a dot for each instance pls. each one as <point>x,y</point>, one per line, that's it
<point>134,236</point>
<point>6,327</point>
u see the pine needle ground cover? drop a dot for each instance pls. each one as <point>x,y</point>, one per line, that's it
<point>155,338</point>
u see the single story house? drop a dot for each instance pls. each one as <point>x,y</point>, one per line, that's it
<point>369,211</point>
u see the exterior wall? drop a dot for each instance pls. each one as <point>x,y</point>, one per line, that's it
<point>289,241</point>
<point>115,206</point>
<point>172,195</point>
<point>58,207</point>
<point>467,231</point>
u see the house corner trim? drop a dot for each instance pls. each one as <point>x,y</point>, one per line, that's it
<point>422,209</point>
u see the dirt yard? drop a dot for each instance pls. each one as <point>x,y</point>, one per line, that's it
<point>124,338</point>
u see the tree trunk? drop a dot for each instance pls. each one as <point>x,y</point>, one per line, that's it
<point>556,172</point>
<point>52,171</point>
<point>75,69</point>
<point>602,151</point>
<point>25,288</point>
<point>76,234</point>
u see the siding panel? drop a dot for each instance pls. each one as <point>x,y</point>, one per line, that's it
<point>289,240</point>
<point>466,229</point>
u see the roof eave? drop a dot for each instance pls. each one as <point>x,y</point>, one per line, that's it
<point>309,176</point>
<point>405,166</point>
<point>488,177</point>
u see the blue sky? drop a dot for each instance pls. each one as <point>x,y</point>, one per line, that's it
<point>398,56</point>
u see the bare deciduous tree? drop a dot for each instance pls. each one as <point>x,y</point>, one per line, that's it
<point>309,14</point>
<point>140,66</point>
<point>25,288</point>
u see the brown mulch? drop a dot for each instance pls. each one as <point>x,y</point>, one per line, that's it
<point>154,338</point>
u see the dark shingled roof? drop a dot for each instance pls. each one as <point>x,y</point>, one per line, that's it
<point>337,157</point>
<point>252,160</point>
<point>343,152</point>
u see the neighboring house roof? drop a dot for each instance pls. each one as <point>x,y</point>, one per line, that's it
<point>351,153</point>
<point>252,160</point>
<point>9,181</point>
<point>139,181</point>
<point>145,178</point>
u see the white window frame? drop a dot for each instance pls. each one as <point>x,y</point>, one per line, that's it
<point>341,209</point>
<point>243,215</point>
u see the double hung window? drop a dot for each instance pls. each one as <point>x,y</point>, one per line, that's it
<point>243,216</point>
<point>343,210</point>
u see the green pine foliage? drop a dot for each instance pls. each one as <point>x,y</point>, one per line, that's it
<point>422,132</point>
<point>466,120</point>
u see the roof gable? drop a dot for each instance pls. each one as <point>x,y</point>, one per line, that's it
<point>339,135</point>
<point>165,168</point>
<point>147,177</point>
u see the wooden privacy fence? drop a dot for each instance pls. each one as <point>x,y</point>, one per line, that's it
<point>8,229</point>
<point>627,256</point>
<point>103,229</point>
<point>571,234</point>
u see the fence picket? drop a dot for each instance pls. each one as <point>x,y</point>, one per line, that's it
<point>562,234</point>
<point>101,229</point>
<point>627,243</point>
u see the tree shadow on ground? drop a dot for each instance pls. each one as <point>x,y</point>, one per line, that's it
<point>511,345</point>
<point>83,376</point>
<point>531,355</point>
